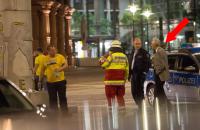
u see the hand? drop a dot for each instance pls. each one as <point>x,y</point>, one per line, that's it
<point>129,78</point>
<point>58,70</point>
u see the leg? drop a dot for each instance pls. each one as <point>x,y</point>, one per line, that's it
<point>120,95</point>
<point>52,91</point>
<point>36,83</point>
<point>110,94</point>
<point>136,89</point>
<point>159,91</point>
<point>44,84</point>
<point>62,95</point>
<point>133,88</point>
<point>140,79</point>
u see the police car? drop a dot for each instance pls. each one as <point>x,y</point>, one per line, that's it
<point>184,82</point>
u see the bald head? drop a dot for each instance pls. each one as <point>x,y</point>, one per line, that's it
<point>137,43</point>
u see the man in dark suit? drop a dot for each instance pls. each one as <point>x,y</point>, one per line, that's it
<point>139,67</point>
<point>161,71</point>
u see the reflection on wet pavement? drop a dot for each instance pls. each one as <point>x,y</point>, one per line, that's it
<point>178,117</point>
<point>98,117</point>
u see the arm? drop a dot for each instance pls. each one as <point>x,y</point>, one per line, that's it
<point>158,63</point>
<point>147,62</point>
<point>36,65</point>
<point>35,68</point>
<point>144,63</point>
<point>64,66</point>
<point>130,63</point>
<point>42,73</point>
<point>107,61</point>
<point>127,70</point>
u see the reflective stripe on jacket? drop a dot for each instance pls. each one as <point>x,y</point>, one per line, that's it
<point>116,68</point>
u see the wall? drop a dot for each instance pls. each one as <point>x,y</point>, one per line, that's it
<point>16,41</point>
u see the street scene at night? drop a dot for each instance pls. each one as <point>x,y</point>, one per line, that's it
<point>99,64</point>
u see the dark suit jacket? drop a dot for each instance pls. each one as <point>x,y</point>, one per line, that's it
<point>142,62</point>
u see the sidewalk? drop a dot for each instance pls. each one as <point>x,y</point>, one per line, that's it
<point>86,85</point>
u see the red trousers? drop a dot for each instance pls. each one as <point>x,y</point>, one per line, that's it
<point>113,91</point>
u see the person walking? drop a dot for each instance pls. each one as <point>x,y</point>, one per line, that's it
<point>161,71</point>
<point>54,66</point>
<point>139,66</point>
<point>116,73</point>
<point>39,60</point>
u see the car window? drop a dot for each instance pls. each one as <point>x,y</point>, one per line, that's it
<point>11,100</point>
<point>198,57</point>
<point>172,62</point>
<point>187,64</point>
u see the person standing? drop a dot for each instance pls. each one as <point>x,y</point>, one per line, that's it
<point>139,66</point>
<point>188,44</point>
<point>161,70</point>
<point>116,73</point>
<point>39,59</point>
<point>54,66</point>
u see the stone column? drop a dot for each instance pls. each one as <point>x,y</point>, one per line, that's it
<point>60,31</point>
<point>68,40</point>
<point>53,23</point>
<point>35,26</point>
<point>109,10</point>
<point>46,37</point>
<point>45,29</point>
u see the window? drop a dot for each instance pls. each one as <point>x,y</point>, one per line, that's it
<point>114,4</point>
<point>187,64</point>
<point>78,4</point>
<point>172,62</point>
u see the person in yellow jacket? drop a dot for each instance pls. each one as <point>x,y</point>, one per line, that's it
<point>116,73</point>
<point>39,60</point>
<point>54,67</point>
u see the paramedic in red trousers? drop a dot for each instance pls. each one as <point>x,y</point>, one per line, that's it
<point>139,67</point>
<point>116,73</point>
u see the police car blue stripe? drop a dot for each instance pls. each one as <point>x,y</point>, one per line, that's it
<point>179,78</point>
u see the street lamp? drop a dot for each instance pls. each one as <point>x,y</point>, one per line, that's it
<point>147,13</point>
<point>133,9</point>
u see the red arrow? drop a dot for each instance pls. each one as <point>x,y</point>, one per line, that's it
<point>172,35</point>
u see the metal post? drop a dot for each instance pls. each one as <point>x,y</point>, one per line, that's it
<point>148,35</point>
<point>195,19</point>
<point>142,21</point>
<point>133,32</point>
<point>87,17</point>
<point>168,21</point>
<point>115,20</point>
<point>161,29</point>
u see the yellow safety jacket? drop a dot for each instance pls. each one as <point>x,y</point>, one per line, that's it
<point>116,68</point>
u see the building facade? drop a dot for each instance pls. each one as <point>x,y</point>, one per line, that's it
<point>16,41</point>
<point>169,13</point>
<point>103,25</point>
<point>51,25</point>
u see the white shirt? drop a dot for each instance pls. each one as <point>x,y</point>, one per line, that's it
<point>133,61</point>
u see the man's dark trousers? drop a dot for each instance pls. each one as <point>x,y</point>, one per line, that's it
<point>57,89</point>
<point>159,91</point>
<point>36,83</point>
<point>137,88</point>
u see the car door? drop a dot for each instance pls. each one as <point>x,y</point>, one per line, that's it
<point>186,78</point>
<point>169,86</point>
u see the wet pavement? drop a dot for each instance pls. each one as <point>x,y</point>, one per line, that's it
<point>88,110</point>
<point>86,91</point>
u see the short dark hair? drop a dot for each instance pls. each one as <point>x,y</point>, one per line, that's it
<point>40,50</point>
<point>50,46</point>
